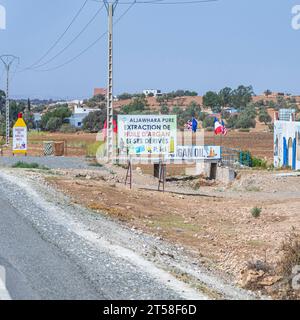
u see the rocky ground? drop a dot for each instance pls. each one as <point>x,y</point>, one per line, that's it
<point>212,221</point>
<point>120,261</point>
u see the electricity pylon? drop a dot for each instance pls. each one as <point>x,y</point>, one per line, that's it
<point>110,7</point>
<point>7,60</point>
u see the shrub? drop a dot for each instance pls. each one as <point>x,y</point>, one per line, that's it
<point>259,163</point>
<point>53,124</point>
<point>208,122</point>
<point>27,165</point>
<point>67,128</point>
<point>244,130</point>
<point>94,121</point>
<point>245,121</point>
<point>264,116</point>
<point>256,212</point>
<point>59,114</point>
<point>291,254</point>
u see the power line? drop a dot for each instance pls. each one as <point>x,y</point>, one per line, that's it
<point>7,61</point>
<point>165,2</point>
<point>61,36</point>
<point>72,41</point>
<point>90,46</point>
<point>178,2</point>
<point>158,2</point>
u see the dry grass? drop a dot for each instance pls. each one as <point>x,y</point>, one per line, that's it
<point>291,254</point>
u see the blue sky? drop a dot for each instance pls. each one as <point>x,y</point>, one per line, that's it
<point>199,46</point>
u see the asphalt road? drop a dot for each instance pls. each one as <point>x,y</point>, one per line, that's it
<point>48,258</point>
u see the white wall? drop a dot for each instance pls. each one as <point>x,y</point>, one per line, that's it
<point>288,130</point>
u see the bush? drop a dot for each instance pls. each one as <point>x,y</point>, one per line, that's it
<point>59,114</point>
<point>244,130</point>
<point>136,106</point>
<point>53,124</point>
<point>125,96</point>
<point>94,121</point>
<point>259,163</point>
<point>264,116</point>
<point>67,128</point>
<point>256,212</point>
<point>208,122</point>
<point>245,121</point>
<point>291,254</point>
<point>26,165</point>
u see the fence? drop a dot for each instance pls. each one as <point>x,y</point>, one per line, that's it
<point>231,157</point>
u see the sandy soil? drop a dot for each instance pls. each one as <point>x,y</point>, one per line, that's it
<point>76,143</point>
<point>214,222</point>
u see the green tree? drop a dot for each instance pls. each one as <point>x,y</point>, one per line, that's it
<point>242,96</point>
<point>208,122</point>
<point>211,100</point>
<point>29,105</point>
<point>268,92</point>
<point>96,101</point>
<point>124,96</point>
<point>14,109</point>
<point>193,110</point>
<point>264,116</point>
<point>29,119</point>
<point>61,112</point>
<point>53,124</point>
<point>138,105</point>
<point>94,121</point>
<point>164,109</point>
<point>2,101</point>
<point>225,97</point>
<point>246,119</point>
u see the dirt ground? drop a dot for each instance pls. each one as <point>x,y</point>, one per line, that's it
<point>76,143</point>
<point>214,222</point>
<point>259,143</point>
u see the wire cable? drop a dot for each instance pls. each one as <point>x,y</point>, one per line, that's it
<point>164,2</point>
<point>72,41</point>
<point>35,67</point>
<point>91,45</point>
<point>61,36</point>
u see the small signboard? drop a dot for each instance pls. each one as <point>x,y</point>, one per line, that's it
<point>20,136</point>
<point>198,153</point>
<point>147,134</point>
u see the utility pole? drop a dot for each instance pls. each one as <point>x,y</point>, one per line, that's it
<point>7,60</point>
<point>110,7</point>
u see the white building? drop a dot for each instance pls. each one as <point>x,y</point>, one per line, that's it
<point>155,92</point>
<point>79,113</point>
<point>286,140</point>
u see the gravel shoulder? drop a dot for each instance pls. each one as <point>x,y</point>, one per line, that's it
<point>123,262</point>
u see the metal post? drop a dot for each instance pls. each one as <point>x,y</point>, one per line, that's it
<point>7,105</point>
<point>110,7</point>
<point>7,60</point>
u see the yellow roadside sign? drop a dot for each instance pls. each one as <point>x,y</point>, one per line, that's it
<point>20,136</point>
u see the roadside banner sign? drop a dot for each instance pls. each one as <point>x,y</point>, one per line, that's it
<point>198,153</point>
<point>20,136</point>
<point>147,134</point>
